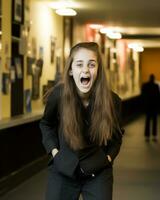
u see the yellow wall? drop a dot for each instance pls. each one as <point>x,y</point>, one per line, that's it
<point>150,63</point>
<point>6,52</point>
<point>45,23</point>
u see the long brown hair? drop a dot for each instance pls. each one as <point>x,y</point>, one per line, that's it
<point>103,116</point>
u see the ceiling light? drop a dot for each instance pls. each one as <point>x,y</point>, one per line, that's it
<point>132,45</point>
<point>139,49</point>
<point>114,35</point>
<point>64,8</point>
<point>136,47</point>
<point>66,12</point>
<point>104,30</point>
<point>96,26</point>
<point>111,33</point>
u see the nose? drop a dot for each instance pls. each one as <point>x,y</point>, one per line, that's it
<point>85,68</point>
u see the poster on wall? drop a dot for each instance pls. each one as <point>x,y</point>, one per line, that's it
<point>12,74</point>
<point>27,97</point>
<point>27,12</point>
<point>23,44</point>
<point>18,67</point>
<point>39,61</point>
<point>17,12</point>
<point>39,65</point>
<point>36,83</point>
<point>30,63</point>
<point>5,83</point>
<point>52,52</point>
<point>58,66</point>
<point>68,26</point>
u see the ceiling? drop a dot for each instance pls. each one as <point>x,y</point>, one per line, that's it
<point>120,12</point>
<point>137,19</point>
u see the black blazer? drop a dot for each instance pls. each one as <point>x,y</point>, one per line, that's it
<point>91,159</point>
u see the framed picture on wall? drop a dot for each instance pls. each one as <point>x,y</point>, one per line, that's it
<point>30,62</point>
<point>17,10</point>
<point>18,67</point>
<point>36,82</point>
<point>68,28</point>
<point>27,97</point>
<point>52,50</point>
<point>5,83</point>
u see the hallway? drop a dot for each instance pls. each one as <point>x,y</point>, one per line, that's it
<point>136,170</point>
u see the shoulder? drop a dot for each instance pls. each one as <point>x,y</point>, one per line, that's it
<point>56,92</point>
<point>116,99</point>
<point>58,87</point>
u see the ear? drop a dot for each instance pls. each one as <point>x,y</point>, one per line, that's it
<point>70,72</point>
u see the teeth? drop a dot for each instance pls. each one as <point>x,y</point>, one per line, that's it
<point>85,77</point>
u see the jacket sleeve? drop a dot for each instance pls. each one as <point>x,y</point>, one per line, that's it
<point>49,123</point>
<point>113,146</point>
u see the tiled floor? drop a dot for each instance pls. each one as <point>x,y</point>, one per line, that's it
<point>136,170</point>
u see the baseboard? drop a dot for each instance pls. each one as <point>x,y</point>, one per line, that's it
<point>15,178</point>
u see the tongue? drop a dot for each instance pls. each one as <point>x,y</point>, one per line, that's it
<point>84,81</point>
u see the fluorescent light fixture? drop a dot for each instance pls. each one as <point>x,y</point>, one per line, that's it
<point>132,45</point>
<point>114,35</point>
<point>139,49</point>
<point>136,47</point>
<point>104,30</point>
<point>96,26</point>
<point>64,8</point>
<point>66,12</point>
<point>111,33</point>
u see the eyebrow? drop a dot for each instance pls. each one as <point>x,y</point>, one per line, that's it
<point>79,61</point>
<point>92,60</point>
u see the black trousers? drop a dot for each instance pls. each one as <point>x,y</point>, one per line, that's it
<point>151,118</point>
<point>98,187</point>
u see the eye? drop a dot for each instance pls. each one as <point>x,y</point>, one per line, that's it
<point>79,64</point>
<point>92,65</point>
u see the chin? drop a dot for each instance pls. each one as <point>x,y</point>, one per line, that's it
<point>85,91</point>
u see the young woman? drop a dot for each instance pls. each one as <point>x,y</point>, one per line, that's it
<point>81,129</point>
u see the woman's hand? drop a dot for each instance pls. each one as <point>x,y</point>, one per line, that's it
<point>109,158</point>
<point>54,152</point>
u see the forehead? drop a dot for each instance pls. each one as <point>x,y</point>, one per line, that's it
<point>84,54</point>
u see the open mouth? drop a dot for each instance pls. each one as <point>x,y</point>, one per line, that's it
<point>85,81</point>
